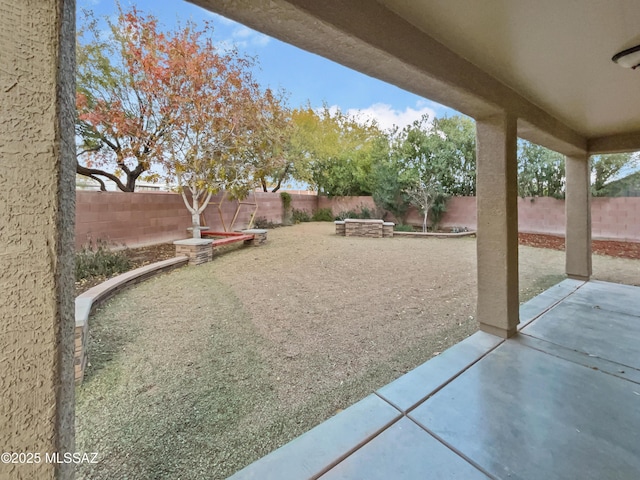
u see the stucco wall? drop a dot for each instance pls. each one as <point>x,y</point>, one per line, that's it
<point>37,92</point>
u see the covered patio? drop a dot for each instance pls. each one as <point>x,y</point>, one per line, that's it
<point>549,389</point>
<point>556,397</point>
<point>559,400</point>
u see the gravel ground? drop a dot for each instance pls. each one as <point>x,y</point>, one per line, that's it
<point>196,373</point>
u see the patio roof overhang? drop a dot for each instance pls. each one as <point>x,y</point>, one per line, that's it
<point>548,64</point>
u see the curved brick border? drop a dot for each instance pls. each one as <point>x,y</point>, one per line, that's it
<point>87,301</point>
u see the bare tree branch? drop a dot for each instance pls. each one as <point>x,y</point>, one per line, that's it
<point>92,172</point>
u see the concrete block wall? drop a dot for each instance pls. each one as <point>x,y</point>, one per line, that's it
<point>131,219</point>
<point>306,202</point>
<point>616,218</point>
<point>611,218</point>
<point>344,204</point>
<point>146,218</point>
<point>541,215</point>
<point>461,212</point>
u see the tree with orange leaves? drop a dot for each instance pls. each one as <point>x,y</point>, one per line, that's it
<point>150,98</point>
<point>123,110</point>
<point>215,103</point>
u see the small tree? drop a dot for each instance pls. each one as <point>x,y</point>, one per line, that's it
<point>213,97</point>
<point>425,163</point>
<point>424,167</point>
<point>424,194</point>
<point>388,194</point>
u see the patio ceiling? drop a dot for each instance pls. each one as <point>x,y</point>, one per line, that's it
<point>548,62</point>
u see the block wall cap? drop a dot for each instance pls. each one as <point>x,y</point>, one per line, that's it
<point>193,241</point>
<point>357,220</point>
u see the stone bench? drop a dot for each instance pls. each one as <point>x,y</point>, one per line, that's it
<point>200,250</point>
<point>354,227</point>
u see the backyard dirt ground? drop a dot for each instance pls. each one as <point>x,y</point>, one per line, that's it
<point>196,373</point>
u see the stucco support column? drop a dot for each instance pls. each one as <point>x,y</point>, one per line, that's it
<point>497,245</point>
<point>37,209</point>
<point>578,217</point>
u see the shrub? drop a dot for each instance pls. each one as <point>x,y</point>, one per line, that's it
<point>347,214</point>
<point>403,228</point>
<point>438,209</point>
<point>323,215</point>
<point>286,200</point>
<point>287,218</point>
<point>262,222</point>
<point>365,212</point>
<point>100,262</point>
<point>299,216</point>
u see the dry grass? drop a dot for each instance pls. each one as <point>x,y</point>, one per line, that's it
<point>197,373</point>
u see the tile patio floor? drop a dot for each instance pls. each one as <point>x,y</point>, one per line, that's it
<point>559,400</point>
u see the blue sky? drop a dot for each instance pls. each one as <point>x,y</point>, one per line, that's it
<point>305,76</point>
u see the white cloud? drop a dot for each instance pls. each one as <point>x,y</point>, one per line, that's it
<point>244,37</point>
<point>240,36</point>
<point>242,32</point>
<point>260,39</point>
<point>387,116</point>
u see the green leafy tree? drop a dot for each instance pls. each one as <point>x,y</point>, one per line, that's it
<point>540,171</point>
<point>424,169</point>
<point>453,141</point>
<point>334,151</point>
<point>268,147</point>
<point>426,163</point>
<point>388,190</point>
<point>605,168</point>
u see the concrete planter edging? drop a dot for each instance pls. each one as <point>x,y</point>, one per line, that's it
<point>87,302</point>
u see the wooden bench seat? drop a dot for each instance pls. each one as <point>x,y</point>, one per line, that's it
<point>231,239</point>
